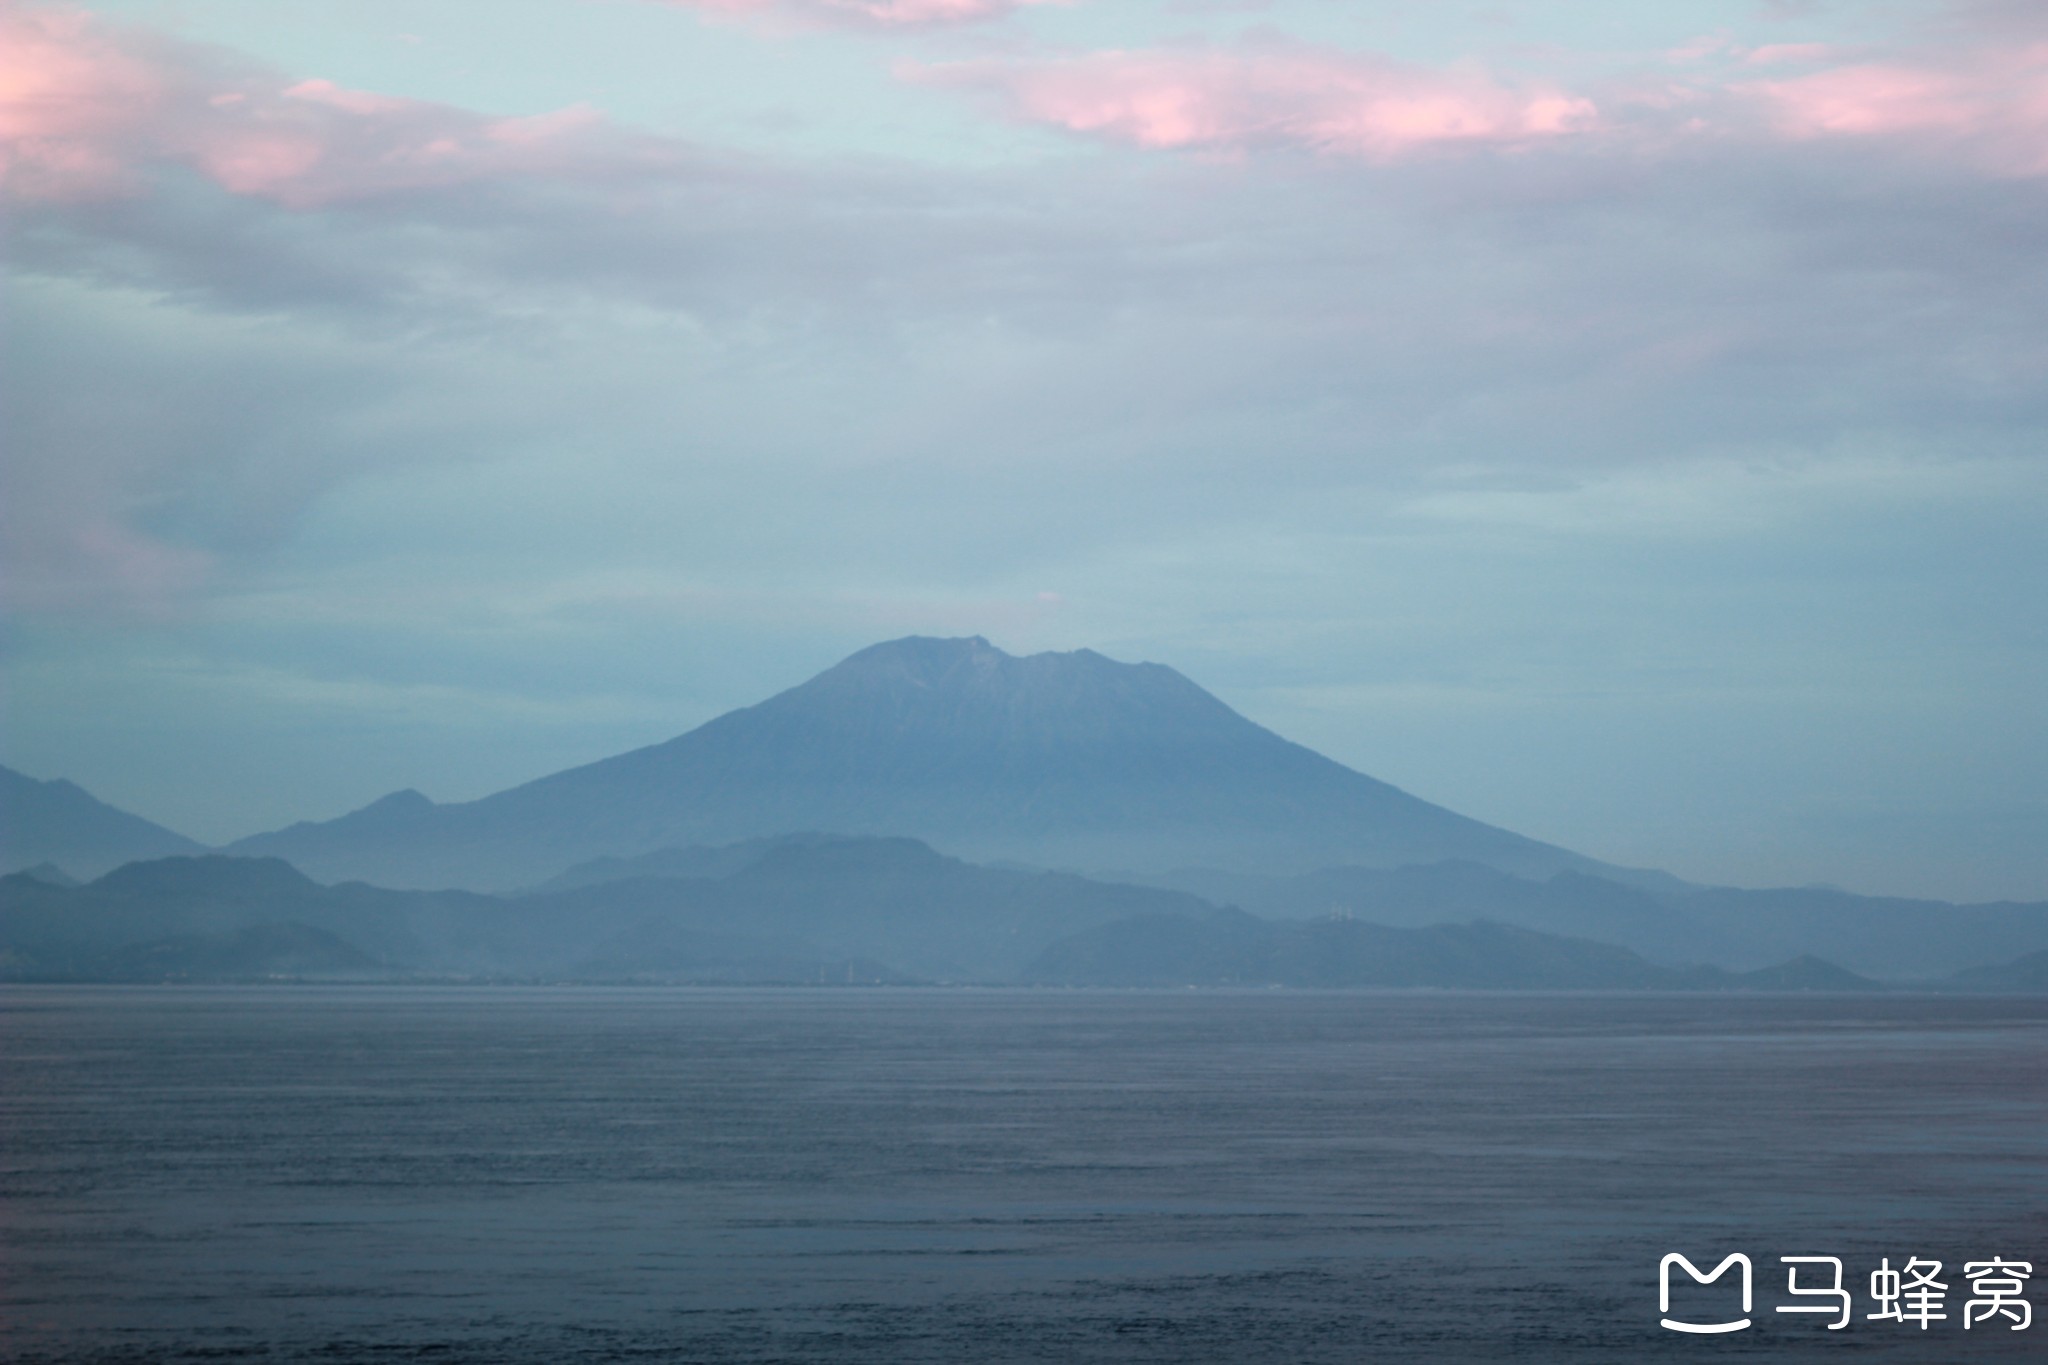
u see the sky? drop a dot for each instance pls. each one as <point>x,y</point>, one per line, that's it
<point>1619,422</point>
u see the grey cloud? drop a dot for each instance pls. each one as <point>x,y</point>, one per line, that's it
<point>1197,338</point>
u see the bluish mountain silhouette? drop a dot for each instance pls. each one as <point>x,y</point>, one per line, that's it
<point>64,825</point>
<point>1059,759</point>
<point>808,910</point>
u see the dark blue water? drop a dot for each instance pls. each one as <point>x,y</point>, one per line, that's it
<point>891,1176</point>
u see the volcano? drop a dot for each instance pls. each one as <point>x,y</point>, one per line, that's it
<point>1064,760</point>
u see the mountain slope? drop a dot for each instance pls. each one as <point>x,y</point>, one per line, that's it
<point>59,823</point>
<point>1063,759</point>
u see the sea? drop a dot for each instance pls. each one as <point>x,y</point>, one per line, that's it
<point>554,1174</point>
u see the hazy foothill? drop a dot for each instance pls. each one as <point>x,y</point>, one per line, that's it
<point>940,811</point>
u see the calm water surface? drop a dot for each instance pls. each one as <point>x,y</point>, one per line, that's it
<point>560,1175</point>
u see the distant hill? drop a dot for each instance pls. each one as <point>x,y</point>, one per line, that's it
<point>800,911</point>
<point>1458,891</point>
<point>1231,948</point>
<point>2026,975</point>
<point>893,900</point>
<point>1060,760</point>
<point>806,910</point>
<point>51,873</point>
<point>1804,973</point>
<point>1879,935</point>
<point>1735,929</point>
<point>78,835</point>
<point>698,860</point>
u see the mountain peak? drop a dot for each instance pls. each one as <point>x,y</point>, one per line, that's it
<point>408,801</point>
<point>965,704</point>
<point>930,657</point>
<point>49,874</point>
<point>1062,759</point>
<point>919,659</point>
<point>929,646</point>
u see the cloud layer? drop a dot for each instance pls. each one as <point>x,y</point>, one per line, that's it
<point>1987,102</point>
<point>1467,413</point>
<point>1272,96</point>
<point>89,111</point>
<point>876,15</point>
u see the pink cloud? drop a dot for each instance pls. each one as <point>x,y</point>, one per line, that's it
<point>100,566</point>
<point>335,97</point>
<point>90,110</point>
<point>71,545</point>
<point>873,14</point>
<point>1986,105</point>
<point>67,98</point>
<point>1992,104</point>
<point>1237,100</point>
<point>1780,54</point>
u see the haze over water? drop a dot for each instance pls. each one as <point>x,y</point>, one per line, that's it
<point>899,1175</point>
